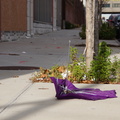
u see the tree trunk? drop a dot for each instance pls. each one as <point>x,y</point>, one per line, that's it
<point>96,25</point>
<point>100,11</point>
<point>89,32</point>
<point>92,31</point>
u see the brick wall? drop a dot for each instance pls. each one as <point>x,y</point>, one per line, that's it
<point>75,12</point>
<point>69,15</point>
<point>79,12</point>
<point>13,15</point>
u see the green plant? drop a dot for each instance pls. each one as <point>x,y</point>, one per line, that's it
<point>74,55</point>
<point>77,67</point>
<point>102,69</point>
<point>115,70</point>
<point>55,71</point>
<point>77,72</point>
<point>104,51</point>
<point>101,65</point>
<point>106,32</point>
<point>82,34</point>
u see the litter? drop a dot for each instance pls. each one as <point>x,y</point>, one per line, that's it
<point>22,61</point>
<point>24,52</point>
<point>66,90</point>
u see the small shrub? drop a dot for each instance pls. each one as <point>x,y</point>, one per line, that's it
<point>104,51</point>
<point>102,69</point>
<point>73,55</point>
<point>106,32</point>
<point>82,34</point>
<point>101,65</point>
<point>115,70</point>
<point>77,67</point>
<point>77,72</point>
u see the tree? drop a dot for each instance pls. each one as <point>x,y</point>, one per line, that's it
<point>93,18</point>
<point>91,31</point>
<point>100,7</point>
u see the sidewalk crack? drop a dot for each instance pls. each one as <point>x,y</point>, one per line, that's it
<point>18,95</point>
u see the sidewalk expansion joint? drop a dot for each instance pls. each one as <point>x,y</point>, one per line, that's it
<point>18,96</point>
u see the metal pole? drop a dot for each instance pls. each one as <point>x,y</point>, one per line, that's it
<point>68,58</point>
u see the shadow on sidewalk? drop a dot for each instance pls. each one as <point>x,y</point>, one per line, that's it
<point>36,106</point>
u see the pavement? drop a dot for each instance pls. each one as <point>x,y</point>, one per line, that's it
<point>20,99</point>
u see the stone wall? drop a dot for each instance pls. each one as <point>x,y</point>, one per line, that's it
<point>40,28</point>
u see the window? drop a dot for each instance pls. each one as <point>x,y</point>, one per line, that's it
<point>106,5</point>
<point>43,11</point>
<point>116,5</point>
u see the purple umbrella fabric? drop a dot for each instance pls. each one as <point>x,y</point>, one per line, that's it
<point>66,90</point>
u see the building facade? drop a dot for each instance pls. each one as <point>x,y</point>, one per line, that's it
<point>13,22</point>
<point>25,18</point>
<point>111,7</point>
<point>75,12</point>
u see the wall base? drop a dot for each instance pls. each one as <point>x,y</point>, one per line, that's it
<point>39,28</point>
<point>12,35</point>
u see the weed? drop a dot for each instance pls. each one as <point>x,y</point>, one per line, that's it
<point>102,69</point>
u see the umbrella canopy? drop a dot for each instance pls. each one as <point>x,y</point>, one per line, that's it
<point>66,90</point>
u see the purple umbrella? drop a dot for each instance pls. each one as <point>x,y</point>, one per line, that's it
<point>66,90</point>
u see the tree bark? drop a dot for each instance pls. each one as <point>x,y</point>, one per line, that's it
<point>93,18</point>
<point>92,30</point>
<point>89,33</point>
<point>96,25</point>
<point>100,7</point>
<point>99,12</point>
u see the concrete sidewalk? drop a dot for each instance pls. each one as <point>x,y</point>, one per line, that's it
<point>22,100</point>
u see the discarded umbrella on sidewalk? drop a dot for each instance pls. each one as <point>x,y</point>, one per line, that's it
<point>66,90</point>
